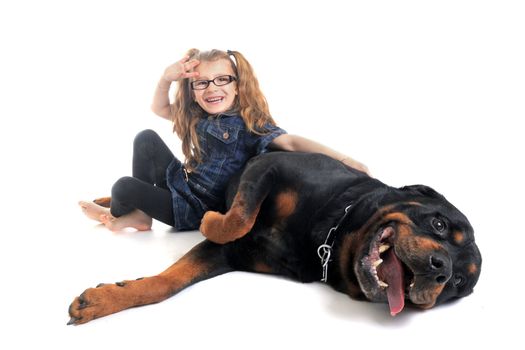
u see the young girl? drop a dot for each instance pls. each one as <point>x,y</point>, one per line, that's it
<point>222,118</point>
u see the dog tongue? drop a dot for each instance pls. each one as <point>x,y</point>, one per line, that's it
<point>393,275</point>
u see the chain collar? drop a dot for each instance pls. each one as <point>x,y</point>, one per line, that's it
<point>324,251</point>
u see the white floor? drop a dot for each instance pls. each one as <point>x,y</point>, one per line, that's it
<point>45,265</point>
<point>420,92</point>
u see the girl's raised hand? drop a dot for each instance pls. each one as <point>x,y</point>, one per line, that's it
<point>181,69</point>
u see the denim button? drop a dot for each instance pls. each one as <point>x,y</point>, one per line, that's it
<point>226,135</point>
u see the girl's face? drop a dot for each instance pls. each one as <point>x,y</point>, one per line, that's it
<point>215,99</point>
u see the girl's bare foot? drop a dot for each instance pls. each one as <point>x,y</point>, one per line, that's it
<point>93,211</point>
<point>137,219</point>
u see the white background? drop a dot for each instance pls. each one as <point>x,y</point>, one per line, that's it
<point>421,92</point>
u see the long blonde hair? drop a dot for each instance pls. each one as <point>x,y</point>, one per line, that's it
<point>250,103</point>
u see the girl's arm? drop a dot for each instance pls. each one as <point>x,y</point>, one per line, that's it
<point>179,70</point>
<point>295,143</point>
<point>161,100</point>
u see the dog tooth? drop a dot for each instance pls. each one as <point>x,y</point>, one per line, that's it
<point>382,284</point>
<point>383,248</point>
<point>412,284</point>
<point>377,262</point>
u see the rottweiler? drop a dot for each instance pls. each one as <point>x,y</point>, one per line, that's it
<point>311,218</point>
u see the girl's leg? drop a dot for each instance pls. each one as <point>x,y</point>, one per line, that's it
<point>151,158</point>
<point>135,202</point>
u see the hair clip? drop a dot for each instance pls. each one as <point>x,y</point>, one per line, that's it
<point>230,53</point>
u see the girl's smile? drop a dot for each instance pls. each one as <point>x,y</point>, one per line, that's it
<point>215,99</point>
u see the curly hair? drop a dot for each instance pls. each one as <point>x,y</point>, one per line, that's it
<point>250,103</point>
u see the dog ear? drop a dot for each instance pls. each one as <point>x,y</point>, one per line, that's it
<point>422,190</point>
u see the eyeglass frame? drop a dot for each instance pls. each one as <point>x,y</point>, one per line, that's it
<point>231,77</point>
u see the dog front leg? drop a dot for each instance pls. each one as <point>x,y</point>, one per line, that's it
<point>204,261</point>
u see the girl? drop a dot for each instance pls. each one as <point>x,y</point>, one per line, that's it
<point>222,118</point>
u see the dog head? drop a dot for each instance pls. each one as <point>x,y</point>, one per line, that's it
<point>414,246</point>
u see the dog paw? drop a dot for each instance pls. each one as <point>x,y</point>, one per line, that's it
<point>209,220</point>
<point>96,302</point>
<point>213,227</point>
<point>222,229</point>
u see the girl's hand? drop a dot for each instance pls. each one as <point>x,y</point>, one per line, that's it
<point>181,70</point>
<point>356,165</point>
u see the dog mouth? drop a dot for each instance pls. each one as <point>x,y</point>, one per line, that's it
<point>384,274</point>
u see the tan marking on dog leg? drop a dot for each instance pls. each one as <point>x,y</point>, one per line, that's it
<point>221,229</point>
<point>285,204</point>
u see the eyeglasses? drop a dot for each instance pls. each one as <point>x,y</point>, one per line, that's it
<point>218,81</point>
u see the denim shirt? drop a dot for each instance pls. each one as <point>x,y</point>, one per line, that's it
<point>226,146</point>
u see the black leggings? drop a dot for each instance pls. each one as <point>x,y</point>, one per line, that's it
<point>147,189</point>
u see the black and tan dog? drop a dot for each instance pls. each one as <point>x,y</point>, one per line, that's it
<point>310,218</point>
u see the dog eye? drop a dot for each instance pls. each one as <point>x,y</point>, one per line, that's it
<point>439,225</point>
<point>458,280</point>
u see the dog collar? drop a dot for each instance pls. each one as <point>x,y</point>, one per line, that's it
<point>324,251</point>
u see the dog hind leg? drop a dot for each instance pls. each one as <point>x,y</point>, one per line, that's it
<point>255,184</point>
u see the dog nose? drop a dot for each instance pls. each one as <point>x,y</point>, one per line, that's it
<point>441,266</point>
